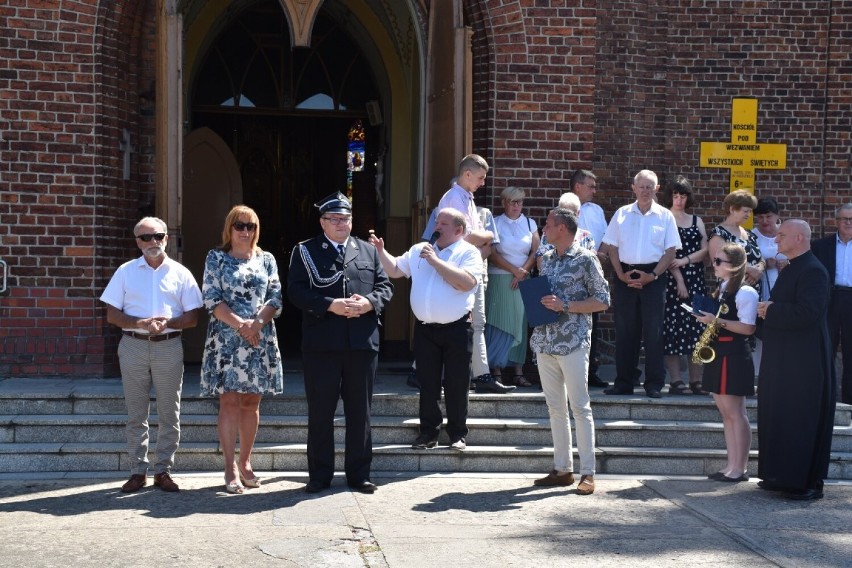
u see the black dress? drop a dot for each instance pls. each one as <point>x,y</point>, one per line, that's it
<point>732,371</point>
<point>680,328</point>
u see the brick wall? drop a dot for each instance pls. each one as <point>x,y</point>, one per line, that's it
<point>614,86</point>
<point>69,78</point>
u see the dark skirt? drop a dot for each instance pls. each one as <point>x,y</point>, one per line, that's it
<point>732,371</point>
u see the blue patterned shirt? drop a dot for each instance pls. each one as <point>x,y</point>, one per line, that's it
<point>574,276</point>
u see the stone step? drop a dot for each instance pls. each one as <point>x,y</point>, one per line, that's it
<point>109,428</point>
<point>103,457</point>
<point>525,405</point>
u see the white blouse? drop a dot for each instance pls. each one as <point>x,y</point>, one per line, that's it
<point>515,241</point>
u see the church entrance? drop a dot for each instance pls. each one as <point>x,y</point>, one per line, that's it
<point>297,124</point>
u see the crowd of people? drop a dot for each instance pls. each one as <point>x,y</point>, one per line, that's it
<point>471,328</point>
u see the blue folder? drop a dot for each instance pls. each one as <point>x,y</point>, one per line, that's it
<point>532,291</point>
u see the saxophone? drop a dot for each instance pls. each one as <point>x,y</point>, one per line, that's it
<point>703,353</point>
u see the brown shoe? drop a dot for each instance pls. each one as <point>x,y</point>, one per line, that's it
<point>555,478</point>
<point>136,482</point>
<point>165,482</point>
<point>586,485</point>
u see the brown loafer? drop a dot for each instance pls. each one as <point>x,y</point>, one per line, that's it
<point>136,482</point>
<point>165,482</point>
<point>555,478</point>
<point>586,485</point>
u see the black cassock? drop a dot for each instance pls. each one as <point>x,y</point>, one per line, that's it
<point>796,382</point>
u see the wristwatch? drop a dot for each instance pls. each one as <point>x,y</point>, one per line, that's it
<point>260,319</point>
<point>654,272</point>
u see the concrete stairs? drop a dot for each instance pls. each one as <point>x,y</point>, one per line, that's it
<point>50,425</point>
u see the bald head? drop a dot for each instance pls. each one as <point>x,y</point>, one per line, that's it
<point>794,238</point>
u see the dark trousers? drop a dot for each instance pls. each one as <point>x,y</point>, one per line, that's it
<point>638,319</point>
<point>840,328</point>
<point>443,351</point>
<point>330,376</point>
<point>594,359</point>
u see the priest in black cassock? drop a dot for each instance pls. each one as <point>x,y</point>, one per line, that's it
<point>795,410</point>
<point>337,281</point>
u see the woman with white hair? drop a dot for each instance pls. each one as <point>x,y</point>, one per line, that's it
<point>510,262</point>
<point>584,238</point>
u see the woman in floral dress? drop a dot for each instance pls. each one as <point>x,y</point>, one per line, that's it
<point>241,360</point>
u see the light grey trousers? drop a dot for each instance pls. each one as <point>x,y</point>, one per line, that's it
<point>143,364</point>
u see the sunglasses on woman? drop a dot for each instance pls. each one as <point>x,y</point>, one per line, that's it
<point>718,261</point>
<point>240,226</point>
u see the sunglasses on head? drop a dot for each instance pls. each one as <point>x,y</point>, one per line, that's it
<point>240,226</point>
<point>718,261</point>
<point>146,238</point>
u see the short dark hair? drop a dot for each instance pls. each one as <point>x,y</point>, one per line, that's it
<point>579,176</point>
<point>766,205</point>
<point>565,217</point>
<point>681,186</point>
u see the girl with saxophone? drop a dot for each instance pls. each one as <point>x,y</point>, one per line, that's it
<point>728,369</point>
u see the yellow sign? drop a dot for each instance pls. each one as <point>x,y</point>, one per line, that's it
<point>743,154</point>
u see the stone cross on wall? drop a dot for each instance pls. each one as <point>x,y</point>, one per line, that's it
<point>126,149</point>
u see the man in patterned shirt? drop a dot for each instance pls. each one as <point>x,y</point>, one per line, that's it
<point>562,348</point>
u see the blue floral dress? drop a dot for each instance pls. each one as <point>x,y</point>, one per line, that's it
<point>230,363</point>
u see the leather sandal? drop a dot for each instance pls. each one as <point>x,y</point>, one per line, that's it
<point>697,388</point>
<point>521,381</point>
<point>234,487</point>
<point>678,387</point>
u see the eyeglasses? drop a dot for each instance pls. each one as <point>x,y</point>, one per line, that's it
<point>337,220</point>
<point>146,238</point>
<point>718,261</point>
<point>516,202</point>
<point>240,226</point>
<point>844,219</point>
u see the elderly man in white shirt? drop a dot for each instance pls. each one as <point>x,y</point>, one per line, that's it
<point>444,277</point>
<point>152,298</point>
<point>642,239</point>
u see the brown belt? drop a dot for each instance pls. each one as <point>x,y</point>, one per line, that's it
<point>148,337</point>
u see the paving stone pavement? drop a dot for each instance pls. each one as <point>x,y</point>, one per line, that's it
<point>441,520</point>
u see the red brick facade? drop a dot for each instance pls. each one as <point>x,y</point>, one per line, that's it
<point>615,86</point>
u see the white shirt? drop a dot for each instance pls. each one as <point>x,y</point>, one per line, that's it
<point>642,238</point>
<point>592,219</point>
<point>516,241</point>
<point>768,249</point>
<point>746,302</point>
<point>433,300</point>
<point>843,263</point>
<point>143,292</point>
<point>461,200</point>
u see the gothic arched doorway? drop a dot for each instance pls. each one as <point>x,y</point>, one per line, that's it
<point>286,115</point>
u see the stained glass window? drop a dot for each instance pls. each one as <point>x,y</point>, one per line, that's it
<point>355,152</point>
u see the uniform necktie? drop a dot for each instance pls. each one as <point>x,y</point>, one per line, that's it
<point>340,250</point>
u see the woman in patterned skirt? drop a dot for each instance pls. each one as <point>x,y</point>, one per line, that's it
<point>241,360</point>
<point>730,375</point>
<point>680,330</point>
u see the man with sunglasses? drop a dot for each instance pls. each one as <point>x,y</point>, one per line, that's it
<point>152,299</point>
<point>340,286</point>
<point>835,253</point>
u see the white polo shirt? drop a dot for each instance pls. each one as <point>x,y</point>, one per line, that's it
<point>141,291</point>
<point>592,219</point>
<point>433,300</point>
<point>642,238</point>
